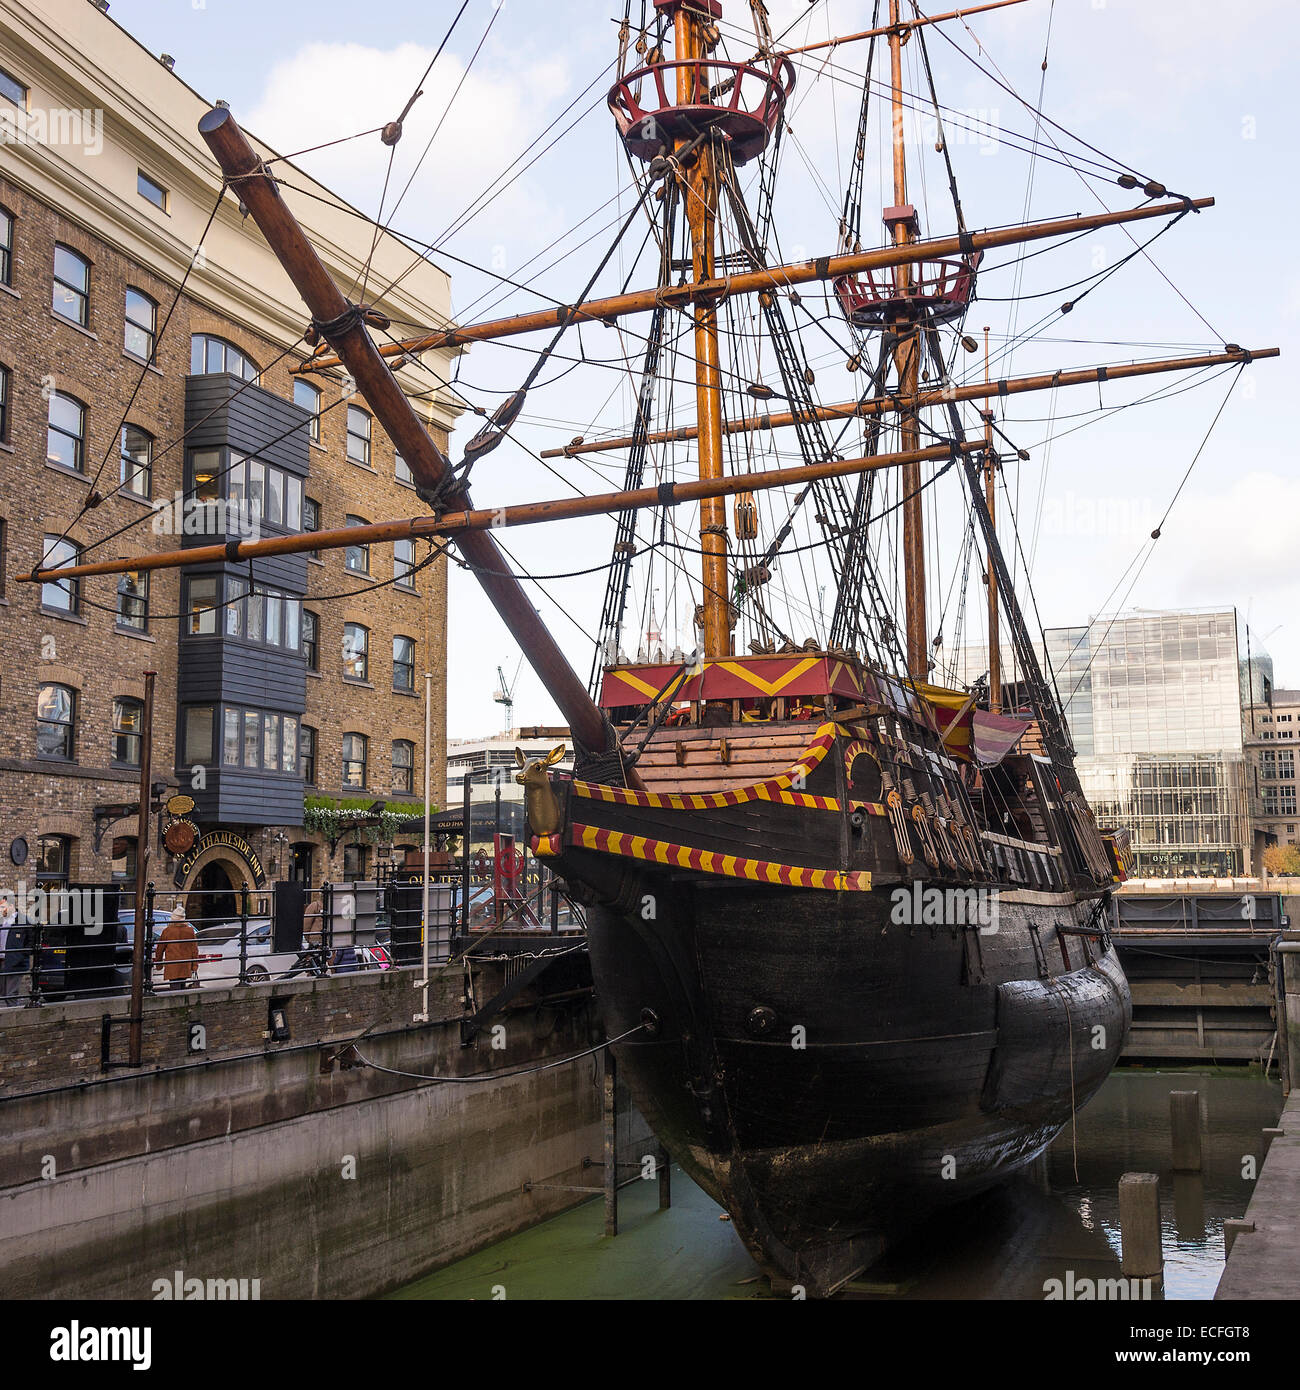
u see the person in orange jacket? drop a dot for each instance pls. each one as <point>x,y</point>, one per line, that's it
<point>177,951</point>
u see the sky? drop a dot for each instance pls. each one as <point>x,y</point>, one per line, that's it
<point>1190,92</point>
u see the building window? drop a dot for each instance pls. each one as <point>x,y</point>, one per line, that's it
<point>289,746</point>
<point>201,609</point>
<point>60,595</point>
<point>66,437</point>
<point>6,247</point>
<point>197,743</point>
<point>403,471</point>
<point>13,90</point>
<point>311,521</point>
<point>150,190</point>
<point>231,727</point>
<point>357,557</point>
<point>71,286</point>
<point>311,639</point>
<point>308,397</point>
<point>403,765</point>
<point>260,614</point>
<point>404,564</point>
<point>307,754</point>
<point>300,862</point>
<point>354,863</point>
<point>355,748</point>
<point>141,325</point>
<point>269,493</point>
<point>133,601</point>
<point>359,435</point>
<point>56,707</point>
<point>256,740</point>
<point>53,858</point>
<point>128,726</point>
<point>124,857</point>
<point>204,476</point>
<point>210,355</point>
<point>4,405</point>
<point>137,461</point>
<point>403,663</point>
<point>356,652</point>
<point>272,727</point>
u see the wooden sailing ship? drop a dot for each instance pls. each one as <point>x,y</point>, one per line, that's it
<point>848,926</point>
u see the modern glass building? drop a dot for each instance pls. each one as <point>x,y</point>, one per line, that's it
<point>1155,704</point>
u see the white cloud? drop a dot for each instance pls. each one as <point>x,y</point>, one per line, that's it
<point>489,123</point>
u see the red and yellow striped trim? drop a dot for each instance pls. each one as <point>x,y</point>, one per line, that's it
<point>711,862</point>
<point>546,846</point>
<point>774,789</point>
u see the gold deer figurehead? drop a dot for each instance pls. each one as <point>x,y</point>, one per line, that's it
<point>540,805</point>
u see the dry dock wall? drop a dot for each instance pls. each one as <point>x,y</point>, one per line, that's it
<point>1265,1262</point>
<point>257,1163</point>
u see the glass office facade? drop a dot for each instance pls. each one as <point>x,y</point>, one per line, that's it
<point>1155,709</point>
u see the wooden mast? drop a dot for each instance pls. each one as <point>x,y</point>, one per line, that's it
<point>343,326</point>
<point>945,395</point>
<point>499,518</point>
<point>990,496</point>
<point>907,352</point>
<point>777,277</point>
<point>701,216</point>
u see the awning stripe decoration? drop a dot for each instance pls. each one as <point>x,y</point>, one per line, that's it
<point>711,862</point>
<point>735,678</point>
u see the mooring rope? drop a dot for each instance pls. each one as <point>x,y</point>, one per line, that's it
<point>497,1075</point>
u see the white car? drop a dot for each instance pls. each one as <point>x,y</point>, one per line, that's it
<point>219,955</point>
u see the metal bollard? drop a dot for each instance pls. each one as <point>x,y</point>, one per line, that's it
<point>37,940</point>
<point>149,899</point>
<point>243,935</point>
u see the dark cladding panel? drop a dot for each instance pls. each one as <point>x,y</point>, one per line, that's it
<point>234,796</point>
<point>213,669</point>
<point>251,421</point>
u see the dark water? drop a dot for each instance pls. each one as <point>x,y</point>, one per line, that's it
<point>1004,1245</point>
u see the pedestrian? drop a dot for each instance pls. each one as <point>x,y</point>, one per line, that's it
<point>312,933</point>
<point>15,952</point>
<point>177,951</point>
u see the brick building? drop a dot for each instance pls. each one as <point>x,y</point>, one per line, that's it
<point>271,686</point>
<point>1272,739</point>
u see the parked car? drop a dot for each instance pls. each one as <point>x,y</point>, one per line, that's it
<point>219,957</point>
<point>77,964</point>
<point>126,943</point>
<point>219,954</point>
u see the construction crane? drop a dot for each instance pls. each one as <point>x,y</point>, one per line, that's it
<point>504,695</point>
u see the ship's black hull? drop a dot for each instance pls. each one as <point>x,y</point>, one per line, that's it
<point>828,1074</point>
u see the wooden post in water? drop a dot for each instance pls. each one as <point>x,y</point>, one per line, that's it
<point>1185,1125</point>
<point>1141,1255</point>
<point>611,1144</point>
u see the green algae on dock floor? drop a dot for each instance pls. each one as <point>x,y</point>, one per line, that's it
<point>686,1252</point>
